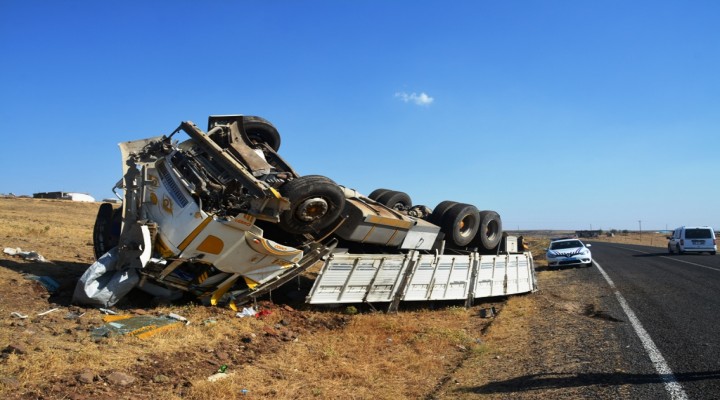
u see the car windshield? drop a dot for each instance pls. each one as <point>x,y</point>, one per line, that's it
<point>698,234</point>
<point>568,244</point>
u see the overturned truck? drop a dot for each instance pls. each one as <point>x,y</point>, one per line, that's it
<point>223,217</point>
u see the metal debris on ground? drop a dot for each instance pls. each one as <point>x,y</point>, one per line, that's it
<point>142,326</point>
<point>18,315</point>
<point>107,311</point>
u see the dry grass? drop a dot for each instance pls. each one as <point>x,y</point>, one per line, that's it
<point>644,239</point>
<point>305,353</point>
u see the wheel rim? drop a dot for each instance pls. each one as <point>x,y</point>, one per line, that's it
<point>491,230</point>
<point>312,209</point>
<point>465,227</point>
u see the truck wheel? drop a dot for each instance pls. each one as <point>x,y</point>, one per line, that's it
<point>375,195</point>
<point>439,211</point>
<point>319,178</point>
<point>460,224</point>
<point>261,130</point>
<point>670,250</point>
<point>106,231</point>
<point>490,231</point>
<point>315,203</point>
<point>395,200</point>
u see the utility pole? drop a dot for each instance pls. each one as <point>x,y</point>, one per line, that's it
<point>640,224</point>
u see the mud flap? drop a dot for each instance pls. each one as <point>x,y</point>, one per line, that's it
<point>103,284</point>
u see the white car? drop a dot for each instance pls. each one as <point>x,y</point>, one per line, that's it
<point>692,239</point>
<point>568,252</point>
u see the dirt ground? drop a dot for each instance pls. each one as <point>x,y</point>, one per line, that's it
<point>292,351</point>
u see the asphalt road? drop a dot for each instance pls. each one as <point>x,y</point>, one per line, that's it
<point>676,299</point>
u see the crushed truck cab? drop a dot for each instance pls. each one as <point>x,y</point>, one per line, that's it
<point>223,217</point>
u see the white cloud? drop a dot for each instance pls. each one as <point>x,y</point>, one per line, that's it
<point>421,99</point>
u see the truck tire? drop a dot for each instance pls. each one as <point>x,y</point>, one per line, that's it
<point>460,224</point>
<point>375,195</point>
<point>106,231</point>
<point>261,130</point>
<point>439,211</point>
<point>490,231</point>
<point>395,200</point>
<point>315,203</point>
<point>319,178</point>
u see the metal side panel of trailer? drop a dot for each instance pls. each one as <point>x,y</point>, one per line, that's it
<point>357,278</point>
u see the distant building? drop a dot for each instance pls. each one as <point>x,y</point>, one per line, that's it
<point>587,234</point>
<point>65,196</point>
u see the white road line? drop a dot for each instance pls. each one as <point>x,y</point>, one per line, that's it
<point>673,387</point>
<point>671,258</point>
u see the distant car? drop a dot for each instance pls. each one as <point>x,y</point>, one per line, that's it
<point>696,239</point>
<point>568,252</point>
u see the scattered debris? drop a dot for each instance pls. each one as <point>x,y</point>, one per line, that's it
<point>488,312</point>
<point>73,315</point>
<point>107,311</point>
<point>18,315</point>
<point>179,318</point>
<point>47,312</point>
<point>26,255</point>
<point>246,312</point>
<point>49,283</point>
<point>142,326</point>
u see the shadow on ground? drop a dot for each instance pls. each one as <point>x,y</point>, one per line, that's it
<point>65,273</point>
<point>559,381</point>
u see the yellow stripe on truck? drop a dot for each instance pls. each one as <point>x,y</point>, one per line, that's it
<point>185,243</point>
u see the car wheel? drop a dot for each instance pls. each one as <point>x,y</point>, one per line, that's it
<point>490,231</point>
<point>460,224</point>
<point>712,253</point>
<point>261,130</point>
<point>315,203</point>
<point>395,200</point>
<point>375,195</point>
<point>679,250</point>
<point>670,250</point>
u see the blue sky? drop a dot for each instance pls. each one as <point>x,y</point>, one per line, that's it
<point>557,114</point>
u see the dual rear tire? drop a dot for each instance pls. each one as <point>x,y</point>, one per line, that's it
<point>463,225</point>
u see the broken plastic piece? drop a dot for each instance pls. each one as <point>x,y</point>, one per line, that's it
<point>246,312</point>
<point>18,315</point>
<point>107,311</point>
<point>26,255</point>
<point>179,318</point>
<point>47,312</point>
